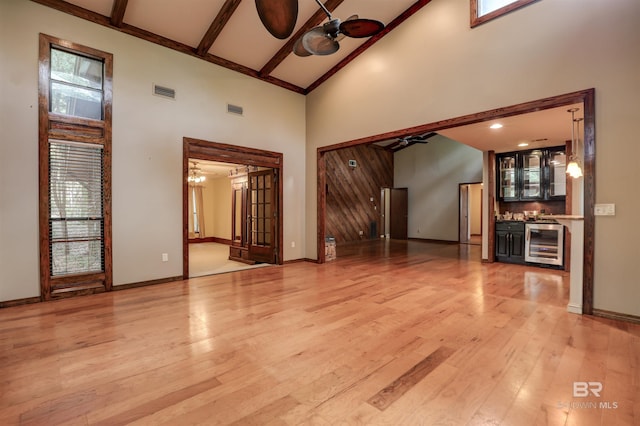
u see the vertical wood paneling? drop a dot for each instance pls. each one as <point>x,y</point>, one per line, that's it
<point>349,190</point>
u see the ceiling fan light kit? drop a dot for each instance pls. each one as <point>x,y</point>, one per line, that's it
<point>324,39</point>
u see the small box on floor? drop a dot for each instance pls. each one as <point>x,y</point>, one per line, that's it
<point>329,249</point>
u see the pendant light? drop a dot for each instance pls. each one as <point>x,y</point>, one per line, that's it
<point>573,167</point>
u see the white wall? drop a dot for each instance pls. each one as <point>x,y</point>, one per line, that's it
<point>432,173</point>
<point>443,69</point>
<point>147,143</point>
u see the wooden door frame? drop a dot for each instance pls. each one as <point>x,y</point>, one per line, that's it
<point>463,188</point>
<point>460,185</point>
<point>215,151</point>
<point>586,97</point>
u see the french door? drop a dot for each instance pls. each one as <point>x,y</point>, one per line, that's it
<point>262,215</point>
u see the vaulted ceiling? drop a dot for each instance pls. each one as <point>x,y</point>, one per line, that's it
<point>230,33</point>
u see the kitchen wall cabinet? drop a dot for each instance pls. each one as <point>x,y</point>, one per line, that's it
<point>510,242</point>
<point>533,175</point>
<point>557,176</point>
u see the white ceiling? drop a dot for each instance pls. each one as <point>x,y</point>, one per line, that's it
<point>549,127</point>
<point>214,169</point>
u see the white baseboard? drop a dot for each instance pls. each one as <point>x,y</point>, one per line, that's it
<point>574,309</point>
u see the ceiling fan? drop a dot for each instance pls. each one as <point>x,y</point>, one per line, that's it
<point>323,40</point>
<point>416,139</point>
<point>410,140</point>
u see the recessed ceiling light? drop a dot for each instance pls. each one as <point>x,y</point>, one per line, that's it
<point>523,144</point>
<point>496,126</point>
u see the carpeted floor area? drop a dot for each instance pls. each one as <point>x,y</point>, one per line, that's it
<point>213,258</point>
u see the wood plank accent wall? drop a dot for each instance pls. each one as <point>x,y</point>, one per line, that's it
<point>349,190</point>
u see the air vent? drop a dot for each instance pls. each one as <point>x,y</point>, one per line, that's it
<point>165,92</point>
<point>234,109</point>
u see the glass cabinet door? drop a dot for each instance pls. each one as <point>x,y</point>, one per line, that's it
<point>507,176</point>
<point>557,175</point>
<point>532,175</point>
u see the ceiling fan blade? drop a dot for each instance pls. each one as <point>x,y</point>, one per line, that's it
<point>299,49</point>
<point>361,28</point>
<point>341,35</point>
<point>278,16</point>
<point>318,42</point>
<point>422,138</point>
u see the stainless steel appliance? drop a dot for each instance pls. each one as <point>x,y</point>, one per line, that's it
<point>544,243</point>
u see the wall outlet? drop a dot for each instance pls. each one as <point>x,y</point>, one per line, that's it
<point>165,257</point>
<point>361,232</point>
<point>293,244</point>
<point>605,210</point>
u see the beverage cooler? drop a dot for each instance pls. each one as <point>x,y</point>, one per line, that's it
<point>544,243</point>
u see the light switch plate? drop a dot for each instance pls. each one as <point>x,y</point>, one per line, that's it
<point>605,210</point>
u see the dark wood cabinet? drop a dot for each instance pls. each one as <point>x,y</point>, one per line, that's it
<point>532,175</point>
<point>510,242</point>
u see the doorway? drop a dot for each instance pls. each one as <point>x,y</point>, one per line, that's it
<point>270,231</point>
<point>586,97</point>
<point>395,213</point>
<point>470,213</point>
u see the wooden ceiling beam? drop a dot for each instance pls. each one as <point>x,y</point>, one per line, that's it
<point>97,18</point>
<point>287,49</point>
<point>217,25</point>
<point>117,12</point>
<point>370,42</point>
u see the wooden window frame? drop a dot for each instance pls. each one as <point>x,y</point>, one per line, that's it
<point>76,129</point>
<point>478,20</point>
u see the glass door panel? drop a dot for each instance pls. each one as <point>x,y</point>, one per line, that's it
<point>532,175</point>
<point>557,175</point>
<point>262,210</point>
<point>507,176</point>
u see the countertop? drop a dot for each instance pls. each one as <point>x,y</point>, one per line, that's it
<point>563,217</point>
<point>546,219</point>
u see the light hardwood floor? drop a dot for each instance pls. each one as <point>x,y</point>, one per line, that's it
<point>391,333</point>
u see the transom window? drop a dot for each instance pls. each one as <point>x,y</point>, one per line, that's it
<point>76,85</point>
<point>486,10</point>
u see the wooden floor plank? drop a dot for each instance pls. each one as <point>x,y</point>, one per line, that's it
<point>359,340</point>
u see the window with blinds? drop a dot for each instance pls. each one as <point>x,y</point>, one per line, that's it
<point>76,222</point>
<point>74,142</point>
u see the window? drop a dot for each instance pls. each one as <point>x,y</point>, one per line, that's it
<point>196,210</point>
<point>76,220</point>
<point>75,166</point>
<point>486,10</point>
<point>76,85</point>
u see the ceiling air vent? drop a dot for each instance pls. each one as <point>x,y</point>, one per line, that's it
<point>234,109</point>
<point>165,92</point>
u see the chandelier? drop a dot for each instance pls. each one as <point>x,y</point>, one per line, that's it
<point>573,168</point>
<point>195,174</point>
